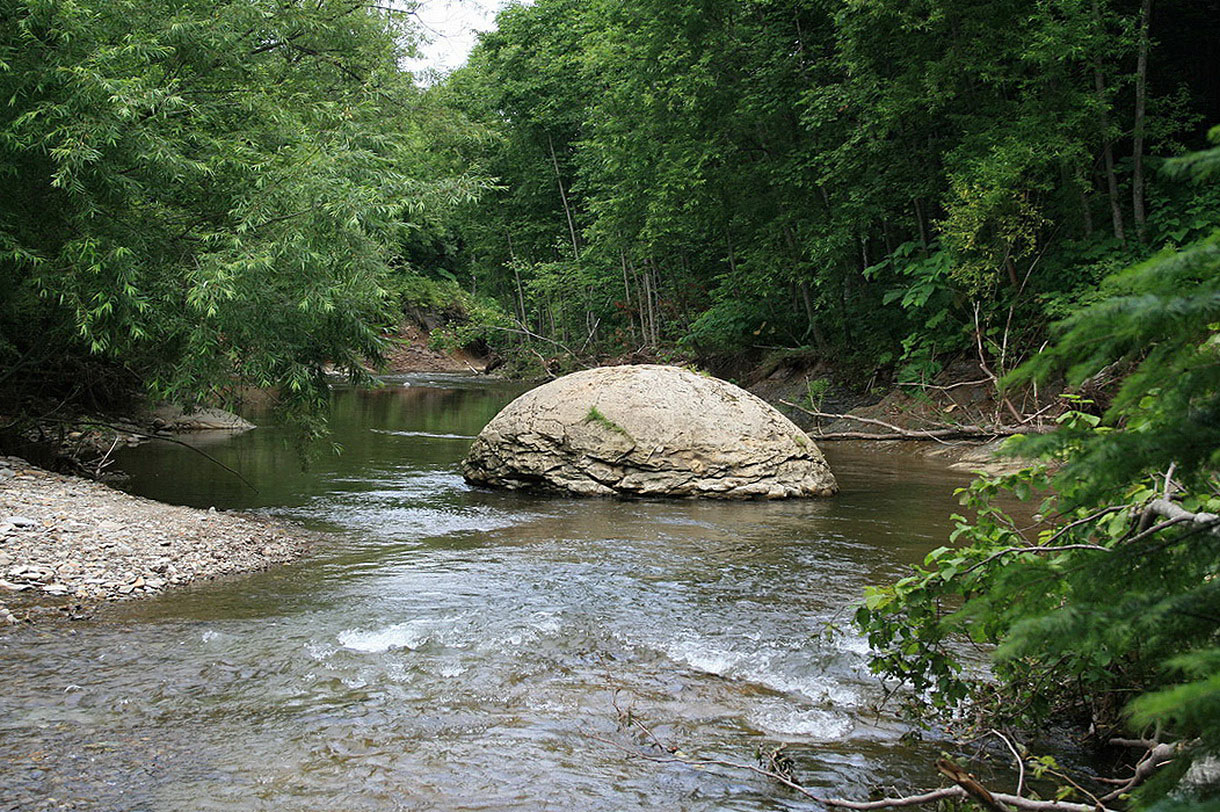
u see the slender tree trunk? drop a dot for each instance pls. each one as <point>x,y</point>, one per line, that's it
<point>923,224</point>
<point>652,313</point>
<point>627,294</point>
<point>563,196</point>
<point>1086,213</point>
<point>512,255</point>
<point>1011,267</point>
<point>643,287</point>
<point>819,338</point>
<point>1116,210</point>
<point>1099,85</point>
<point>654,299</point>
<point>1141,101</point>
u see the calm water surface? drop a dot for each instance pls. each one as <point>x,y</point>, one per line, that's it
<point>461,649</point>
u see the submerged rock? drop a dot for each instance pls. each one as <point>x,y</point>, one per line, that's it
<point>647,431</point>
<point>173,417</point>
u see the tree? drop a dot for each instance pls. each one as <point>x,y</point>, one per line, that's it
<point>727,175</point>
<point>1108,614</point>
<point>199,194</point>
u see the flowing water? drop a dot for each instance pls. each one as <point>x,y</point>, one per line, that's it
<point>458,649</point>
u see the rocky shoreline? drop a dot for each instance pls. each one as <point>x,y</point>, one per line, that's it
<point>68,542</point>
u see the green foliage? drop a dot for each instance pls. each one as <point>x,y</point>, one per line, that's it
<point>725,326</point>
<point>922,285</point>
<point>205,193</point>
<point>595,416</point>
<point>1160,316</point>
<point>738,176</point>
<point>815,393</point>
<point>1107,614</point>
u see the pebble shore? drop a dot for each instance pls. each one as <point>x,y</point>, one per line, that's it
<point>72,539</point>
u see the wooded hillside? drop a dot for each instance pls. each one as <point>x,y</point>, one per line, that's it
<point>883,181</point>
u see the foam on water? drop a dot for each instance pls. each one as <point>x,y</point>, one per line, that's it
<point>410,635</point>
<point>426,434</point>
<point>473,640</point>
<point>779,668</point>
<point>785,719</point>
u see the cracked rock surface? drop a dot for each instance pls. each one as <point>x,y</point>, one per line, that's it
<point>647,430</point>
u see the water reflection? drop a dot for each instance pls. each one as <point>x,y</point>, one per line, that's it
<point>456,648</point>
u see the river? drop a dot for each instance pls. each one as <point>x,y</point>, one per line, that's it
<point>461,649</point>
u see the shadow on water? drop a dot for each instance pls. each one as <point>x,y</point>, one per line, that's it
<point>456,648</point>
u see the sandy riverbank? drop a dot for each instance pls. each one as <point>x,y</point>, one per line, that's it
<point>70,542</point>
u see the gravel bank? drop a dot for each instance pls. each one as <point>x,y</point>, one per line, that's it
<point>66,538</point>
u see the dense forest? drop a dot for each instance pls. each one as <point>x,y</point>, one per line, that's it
<point>879,182</point>
<point>201,197</point>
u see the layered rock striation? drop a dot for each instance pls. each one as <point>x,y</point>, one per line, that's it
<point>647,430</point>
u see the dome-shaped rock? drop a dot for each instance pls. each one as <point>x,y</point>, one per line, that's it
<point>647,431</point>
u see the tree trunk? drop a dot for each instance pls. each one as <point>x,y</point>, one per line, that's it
<point>923,225</point>
<point>654,299</point>
<point>1099,85</point>
<point>819,339</point>
<point>1141,101</point>
<point>512,255</point>
<point>563,196</point>
<point>627,294</point>
<point>1086,213</point>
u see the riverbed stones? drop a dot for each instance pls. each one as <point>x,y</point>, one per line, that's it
<point>67,538</point>
<point>647,430</point>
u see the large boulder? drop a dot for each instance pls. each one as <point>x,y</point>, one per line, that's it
<point>647,431</point>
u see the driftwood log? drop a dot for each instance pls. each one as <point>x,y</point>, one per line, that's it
<point>955,432</point>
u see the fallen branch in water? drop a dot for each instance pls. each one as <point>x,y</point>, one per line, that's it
<point>137,432</point>
<point>962,432</point>
<point>1016,801</point>
<point>966,786</point>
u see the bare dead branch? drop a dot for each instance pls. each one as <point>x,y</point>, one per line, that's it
<point>1157,756</point>
<point>1147,744</point>
<point>870,420</point>
<point>969,784</point>
<point>896,803</point>
<point>673,755</point>
<point>1012,748</point>
<point>946,388</point>
<point>1048,549</point>
<point>175,441</point>
<point>1177,514</point>
<point>961,432</point>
